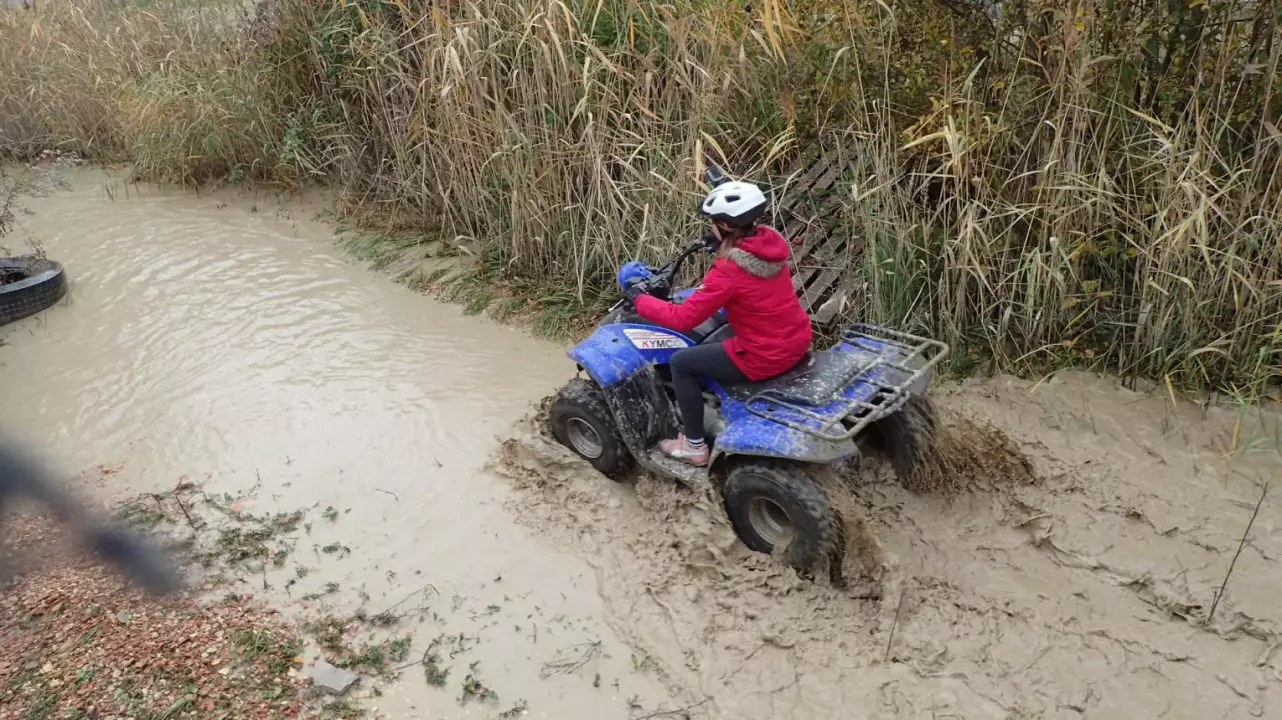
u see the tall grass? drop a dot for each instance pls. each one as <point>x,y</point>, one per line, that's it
<point>1041,183</point>
<point>186,91</point>
<point>1067,225</point>
<point>553,140</point>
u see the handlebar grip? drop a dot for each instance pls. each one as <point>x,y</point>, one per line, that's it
<point>659,287</point>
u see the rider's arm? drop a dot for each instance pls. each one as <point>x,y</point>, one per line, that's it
<point>708,299</point>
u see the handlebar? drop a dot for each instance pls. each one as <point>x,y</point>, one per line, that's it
<point>660,281</point>
<point>669,270</point>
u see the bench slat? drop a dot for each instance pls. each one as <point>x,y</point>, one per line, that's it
<point>811,297</point>
<point>805,212</point>
<point>820,170</point>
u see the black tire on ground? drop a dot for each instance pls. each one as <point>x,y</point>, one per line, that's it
<point>775,502</point>
<point>37,284</point>
<point>907,438</point>
<point>581,420</point>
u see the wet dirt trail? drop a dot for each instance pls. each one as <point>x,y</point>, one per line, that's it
<point>1069,575</point>
<point>227,340</point>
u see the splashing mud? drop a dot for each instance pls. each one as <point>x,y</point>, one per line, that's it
<point>1063,563</point>
<point>970,455</point>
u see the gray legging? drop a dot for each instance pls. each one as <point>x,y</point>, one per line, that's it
<point>688,366</point>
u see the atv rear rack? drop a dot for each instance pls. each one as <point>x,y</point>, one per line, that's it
<point>889,368</point>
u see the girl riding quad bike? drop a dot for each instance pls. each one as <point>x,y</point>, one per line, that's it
<point>750,281</point>
<point>732,356</point>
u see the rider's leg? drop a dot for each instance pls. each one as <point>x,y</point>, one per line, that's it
<point>688,366</point>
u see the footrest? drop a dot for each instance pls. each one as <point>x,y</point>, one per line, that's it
<point>685,473</point>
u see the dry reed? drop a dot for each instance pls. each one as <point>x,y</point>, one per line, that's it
<point>1045,183</point>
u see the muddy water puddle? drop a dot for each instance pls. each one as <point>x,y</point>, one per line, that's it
<point>225,340</point>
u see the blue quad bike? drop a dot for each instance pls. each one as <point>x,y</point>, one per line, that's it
<point>863,395</point>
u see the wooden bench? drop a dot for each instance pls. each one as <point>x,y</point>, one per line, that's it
<point>822,250</point>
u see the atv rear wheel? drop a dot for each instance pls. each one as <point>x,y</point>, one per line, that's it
<point>582,421</point>
<point>907,438</point>
<point>774,505</point>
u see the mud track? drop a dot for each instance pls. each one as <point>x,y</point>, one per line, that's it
<point>1065,568</point>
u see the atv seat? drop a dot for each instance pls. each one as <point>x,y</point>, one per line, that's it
<point>818,379</point>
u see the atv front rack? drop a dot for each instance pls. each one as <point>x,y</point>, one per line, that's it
<point>883,370</point>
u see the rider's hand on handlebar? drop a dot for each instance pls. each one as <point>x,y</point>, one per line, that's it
<point>635,290</point>
<point>709,242</point>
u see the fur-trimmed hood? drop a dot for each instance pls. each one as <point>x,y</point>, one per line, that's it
<point>763,253</point>
<point>753,285</point>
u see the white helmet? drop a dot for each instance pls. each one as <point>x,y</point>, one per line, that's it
<point>735,203</point>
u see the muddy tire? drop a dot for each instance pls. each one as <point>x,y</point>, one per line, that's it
<point>582,421</point>
<point>907,438</point>
<point>776,504</point>
<point>29,286</point>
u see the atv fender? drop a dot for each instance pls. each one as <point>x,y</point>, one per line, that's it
<point>629,383</point>
<point>615,352</point>
<point>749,434</point>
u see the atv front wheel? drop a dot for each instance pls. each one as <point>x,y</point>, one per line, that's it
<point>775,505</point>
<point>582,421</point>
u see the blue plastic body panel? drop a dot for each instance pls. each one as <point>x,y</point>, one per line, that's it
<point>614,352</point>
<point>748,434</point>
<point>631,271</point>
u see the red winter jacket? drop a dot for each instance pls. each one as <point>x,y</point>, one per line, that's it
<point>752,282</point>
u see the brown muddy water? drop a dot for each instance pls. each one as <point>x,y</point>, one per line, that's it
<point>227,339</point>
<point>1068,572</point>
